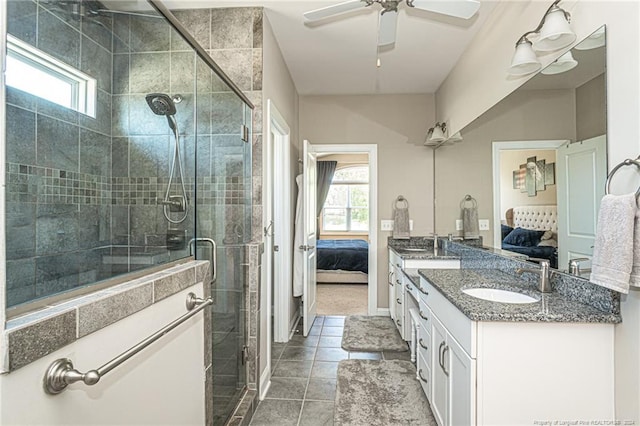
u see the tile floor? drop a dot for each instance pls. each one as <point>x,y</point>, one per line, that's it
<point>303,382</point>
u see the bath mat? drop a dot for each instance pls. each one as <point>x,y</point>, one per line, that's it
<point>380,393</point>
<point>371,334</point>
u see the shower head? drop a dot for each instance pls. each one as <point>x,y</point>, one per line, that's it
<point>161,104</point>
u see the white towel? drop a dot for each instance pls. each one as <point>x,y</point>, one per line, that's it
<point>401,228</point>
<point>635,269</point>
<point>470,223</point>
<point>613,251</point>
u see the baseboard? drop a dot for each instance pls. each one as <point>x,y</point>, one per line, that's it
<point>293,324</point>
<point>265,383</point>
<point>383,312</point>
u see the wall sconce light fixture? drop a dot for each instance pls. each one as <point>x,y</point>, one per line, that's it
<point>562,64</point>
<point>553,33</point>
<point>436,134</point>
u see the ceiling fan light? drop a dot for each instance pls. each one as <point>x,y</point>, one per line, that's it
<point>555,32</point>
<point>524,59</point>
<point>563,64</point>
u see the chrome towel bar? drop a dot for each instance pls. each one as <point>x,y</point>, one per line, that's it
<point>61,373</point>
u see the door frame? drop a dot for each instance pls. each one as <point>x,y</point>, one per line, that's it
<point>372,151</point>
<point>496,148</point>
<point>277,271</point>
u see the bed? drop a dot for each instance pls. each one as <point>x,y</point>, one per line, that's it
<point>342,261</point>
<point>532,231</point>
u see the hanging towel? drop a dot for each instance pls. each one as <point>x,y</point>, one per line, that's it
<point>469,212</point>
<point>401,224</point>
<point>613,251</point>
<point>298,240</point>
<point>635,269</point>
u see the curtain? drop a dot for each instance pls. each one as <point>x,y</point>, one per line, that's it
<point>326,169</point>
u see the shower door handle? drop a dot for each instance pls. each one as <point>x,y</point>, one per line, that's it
<point>214,257</point>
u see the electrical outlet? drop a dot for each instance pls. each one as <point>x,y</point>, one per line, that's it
<point>483,224</point>
<point>458,224</point>
<point>386,225</point>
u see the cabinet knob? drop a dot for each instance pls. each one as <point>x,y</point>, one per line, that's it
<point>422,344</point>
<point>407,286</point>
<point>422,378</point>
<point>398,322</point>
<point>423,317</point>
<point>398,301</point>
<point>398,282</point>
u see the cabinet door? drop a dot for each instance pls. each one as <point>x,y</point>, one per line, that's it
<point>392,292</point>
<point>462,384</point>
<point>440,379</point>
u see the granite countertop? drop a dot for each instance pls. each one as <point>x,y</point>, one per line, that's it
<point>552,307</point>
<point>422,253</point>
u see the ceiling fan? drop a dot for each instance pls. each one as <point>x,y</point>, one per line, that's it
<point>464,9</point>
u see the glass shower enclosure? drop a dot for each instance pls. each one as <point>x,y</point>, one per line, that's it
<point>125,150</point>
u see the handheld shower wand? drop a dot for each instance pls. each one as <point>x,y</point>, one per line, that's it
<point>162,104</point>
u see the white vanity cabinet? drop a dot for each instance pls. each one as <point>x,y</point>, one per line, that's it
<point>508,373</point>
<point>402,293</point>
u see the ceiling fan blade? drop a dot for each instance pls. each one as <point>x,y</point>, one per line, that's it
<point>335,9</point>
<point>387,28</point>
<point>464,9</point>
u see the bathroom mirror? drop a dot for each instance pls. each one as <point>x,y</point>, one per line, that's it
<point>543,145</point>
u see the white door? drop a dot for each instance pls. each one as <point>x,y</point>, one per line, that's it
<point>579,197</point>
<point>308,248</point>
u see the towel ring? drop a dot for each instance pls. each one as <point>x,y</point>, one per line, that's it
<point>470,199</point>
<point>627,162</point>
<point>401,199</point>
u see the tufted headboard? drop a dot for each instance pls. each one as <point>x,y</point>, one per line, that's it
<point>533,217</point>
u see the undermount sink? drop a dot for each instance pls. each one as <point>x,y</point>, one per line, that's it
<point>497,295</point>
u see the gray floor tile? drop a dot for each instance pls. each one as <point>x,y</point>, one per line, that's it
<point>334,322</point>
<point>365,355</point>
<point>326,317</point>
<point>331,354</point>
<point>298,340</point>
<point>321,389</point>
<point>330,342</point>
<point>325,369</point>
<point>298,353</point>
<point>315,330</point>
<point>317,413</point>
<point>276,352</point>
<point>319,320</point>
<point>287,388</point>
<point>332,331</point>
<point>277,412</point>
<point>286,368</point>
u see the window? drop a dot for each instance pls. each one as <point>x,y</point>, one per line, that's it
<point>347,206</point>
<point>37,73</point>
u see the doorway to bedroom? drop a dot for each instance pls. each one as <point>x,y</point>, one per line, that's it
<point>346,200</point>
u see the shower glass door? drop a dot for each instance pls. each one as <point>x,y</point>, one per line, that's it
<point>223,214</point>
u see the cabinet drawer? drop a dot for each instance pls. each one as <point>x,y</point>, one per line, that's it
<point>410,289</point>
<point>459,326</point>
<point>423,345</point>
<point>424,376</point>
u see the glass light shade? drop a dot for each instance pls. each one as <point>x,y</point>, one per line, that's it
<point>456,137</point>
<point>595,40</point>
<point>437,135</point>
<point>524,59</point>
<point>555,32</point>
<point>563,64</point>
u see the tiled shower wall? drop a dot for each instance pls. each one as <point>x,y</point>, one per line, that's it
<point>59,163</point>
<point>233,38</point>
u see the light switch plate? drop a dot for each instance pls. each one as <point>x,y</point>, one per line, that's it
<point>458,224</point>
<point>483,224</point>
<point>386,225</point>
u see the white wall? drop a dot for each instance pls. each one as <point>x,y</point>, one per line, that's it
<point>479,80</point>
<point>162,385</point>
<point>278,87</point>
<point>397,124</point>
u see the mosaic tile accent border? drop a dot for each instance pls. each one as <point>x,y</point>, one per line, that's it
<point>44,185</point>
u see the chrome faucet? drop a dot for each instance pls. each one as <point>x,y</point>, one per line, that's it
<point>545,273</point>
<point>435,244</point>
<point>574,266</point>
